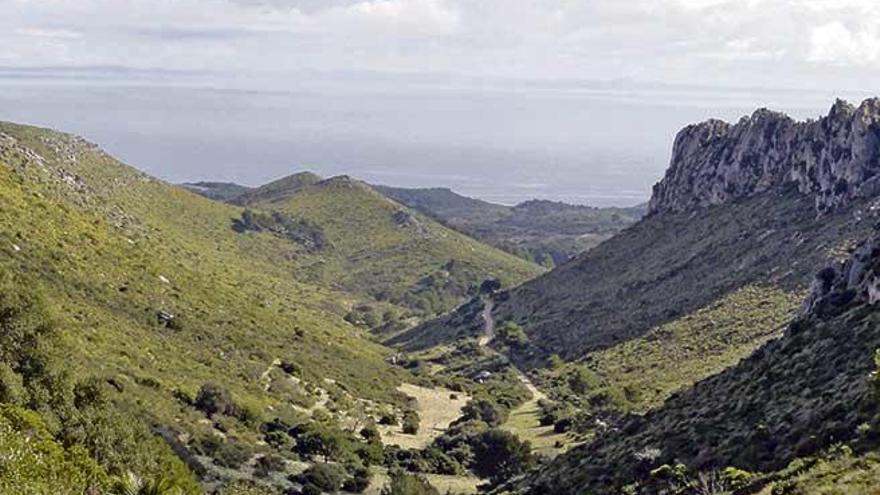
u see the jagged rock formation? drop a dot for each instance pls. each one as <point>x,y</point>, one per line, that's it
<point>835,159</point>
<point>856,279</point>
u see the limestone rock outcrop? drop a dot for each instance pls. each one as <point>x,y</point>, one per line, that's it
<point>835,159</point>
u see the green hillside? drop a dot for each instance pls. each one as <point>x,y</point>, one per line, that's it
<point>374,246</point>
<point>229,342</point>
<point>798,416</point>
<point>155,294</point>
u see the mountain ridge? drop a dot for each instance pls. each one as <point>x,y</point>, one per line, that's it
<point>834,159</point>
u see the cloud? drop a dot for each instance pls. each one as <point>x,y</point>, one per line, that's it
<point>836,44</point>
<point>731,41</point>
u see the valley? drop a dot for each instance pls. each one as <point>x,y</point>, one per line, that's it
<point>324,335</point>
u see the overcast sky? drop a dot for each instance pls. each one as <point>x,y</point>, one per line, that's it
<point>819,44</point>
<point>507,100</point>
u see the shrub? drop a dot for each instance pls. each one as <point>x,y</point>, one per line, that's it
<point>231,455</point>
<point>411,422</point>
<point>326,440</point>
<point>370,432</point>
<point>582,380</point>
<point>359,481</point>
<point>269,463</point>
<point>388,419</point>
<point>310,489</point>
<point>512,334</point>
<point>407,484</point>
<point>371,452</point>
<point>326,477</point>
<point>213,399</point>
<point>12,389</point>
<point>483,410</point>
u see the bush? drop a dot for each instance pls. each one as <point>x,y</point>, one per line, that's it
<point>407,484</point>
<point>370,432</point>
<point>359,481</point>
<point>325,477</point>
<point>512,334</point>
<point>12,389</point>
<point>388,419</point>
<point>483,410</point>
<point>310,489</point>
<point>231,455</point>
<point>411,423</point>
<point>371,452</point>
<point>582,380</point>
<point>213,399</point>
<point>269,463</point>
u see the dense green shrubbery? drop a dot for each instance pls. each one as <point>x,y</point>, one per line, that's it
<point>77,415</point>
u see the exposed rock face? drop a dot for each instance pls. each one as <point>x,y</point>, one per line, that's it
<point>856,279</point>
<point>835,159</point>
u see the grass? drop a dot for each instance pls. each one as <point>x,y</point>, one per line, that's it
<point>437,409</point>
<point>640,374</point>
<point>668,266</point>
<point>112,247</point>
<point>257,314</point>
<point>525,422</point>
<point>445,484</point>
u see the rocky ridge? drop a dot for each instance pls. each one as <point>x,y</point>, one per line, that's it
<point>836,159</point>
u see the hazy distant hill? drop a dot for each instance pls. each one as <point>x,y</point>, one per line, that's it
<point>220,191</point>
<point>547,232</point>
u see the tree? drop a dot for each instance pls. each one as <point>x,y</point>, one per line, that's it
<point>322,439</point>
<point>500,455</point>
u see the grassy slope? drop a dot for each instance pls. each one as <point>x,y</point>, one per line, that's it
<point>668,266</point>
<point>381,248</point>
<point>796,395</point>
<point>640,374</point>
<point>100,237</point>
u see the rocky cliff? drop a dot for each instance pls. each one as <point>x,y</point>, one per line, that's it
<point>834,159</point>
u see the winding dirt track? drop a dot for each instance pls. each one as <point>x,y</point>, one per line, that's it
<point>487,338</point>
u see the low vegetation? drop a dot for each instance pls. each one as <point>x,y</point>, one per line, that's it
<point>640,374</point>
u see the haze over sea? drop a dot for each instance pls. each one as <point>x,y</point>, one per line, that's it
<point>506,141</point>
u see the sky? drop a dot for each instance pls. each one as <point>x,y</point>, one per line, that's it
<point>779,43</point>
<point>576,100</point>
